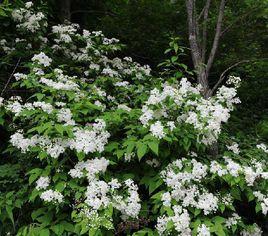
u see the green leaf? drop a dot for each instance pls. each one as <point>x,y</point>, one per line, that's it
<point>44,232</point>
<point>141,150</point>
<point>154,146</point>
<point>57,229</point>
<point>67,226</point>
<point>235,192</point>
<point>38,212</point>
<point>9,210</point>
<point>258,207</point>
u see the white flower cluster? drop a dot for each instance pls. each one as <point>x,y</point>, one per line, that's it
<point>234,148</point>
<point>1,102</point>
<point>181,221</point>
<point>250,173</point>
<point>234,80</point>
<point>206,115</point>
<point>101,194</point>
<point>184,188</point>
<point>203,230</point>
<point>14,105</point>
<point>65,115</point>
<point>233,220</point>
<point>90,168</point>
<point>52,196</point>
<point>256,231</point>
<point>6,49</point>
<point>42,59</point>
<point>62,82</point>
<point>64,32</point>
<point>84,140</point>
<point>185,179</point>
<point>153,163</point>
<point>20,76</point>
<point>262,147</point>
<point>92,140</point>
<point>157,130</point>
<point>42,182</point>
<point>263,200</point>
<point>27,19</point>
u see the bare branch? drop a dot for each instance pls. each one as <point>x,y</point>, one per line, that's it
<point>204,35</point>
<point>10,77</point>
<point>192,33</point>
<point>222,76</point>
<point>217,37</point>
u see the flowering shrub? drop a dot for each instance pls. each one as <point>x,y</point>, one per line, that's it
<point>100,142</point>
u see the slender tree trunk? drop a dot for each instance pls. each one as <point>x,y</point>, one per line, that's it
<point>198,44</point>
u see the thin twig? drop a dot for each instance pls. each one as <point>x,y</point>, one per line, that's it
<point>10,77</point>
<point>222,76</point>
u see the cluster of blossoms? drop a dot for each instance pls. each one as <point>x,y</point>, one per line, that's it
<point>101,194</point>
<point>262,147</point>
<point>263,200</point>
<point>187,182</point>
<point>52,196</point>
<point>5,48</point>
<point>29,20</point>
<point>234,80</point>
<point>184,186</point>
<point>255,231</point>
<point>86,140</point>
<point>48,195</point>
<point>176,105</point>
<point>234,148</point>
<point>42,59</point>
<point>181,221</point>
<point>1,101</point>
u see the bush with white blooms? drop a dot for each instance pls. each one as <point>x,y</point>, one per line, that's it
<point>102,143</point>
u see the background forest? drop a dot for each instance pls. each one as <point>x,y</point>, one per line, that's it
<point>158,33</point>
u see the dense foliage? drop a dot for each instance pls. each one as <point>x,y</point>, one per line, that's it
<point>99,146</point>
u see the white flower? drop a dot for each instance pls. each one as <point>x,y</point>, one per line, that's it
<point>129,156</point>
<point>52,196</point>
<point>233,220</point>
<point>1,101</point>
<point>208,203</point>
<point>154,162</point>
<point>166,199</point>
<point>92,168</point>
<point>124,107</point>
<point>157,130</point>
<point>234,148</point>
<point>171,125</point>
<point>42,59</point>
<point>65,115</point>
<point>256,231</point>
<point>146,116</point>
<point>42,183</point>
<point>20,76</point>
<point>263,147</point>
<point>233,80</point>
<point>232,167</point>
<point>90,140</point>
<point>263,200</point>
<point>28,4</point>
<point>122,84</point>
<point>203,230</point>
<point>110,72</point>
